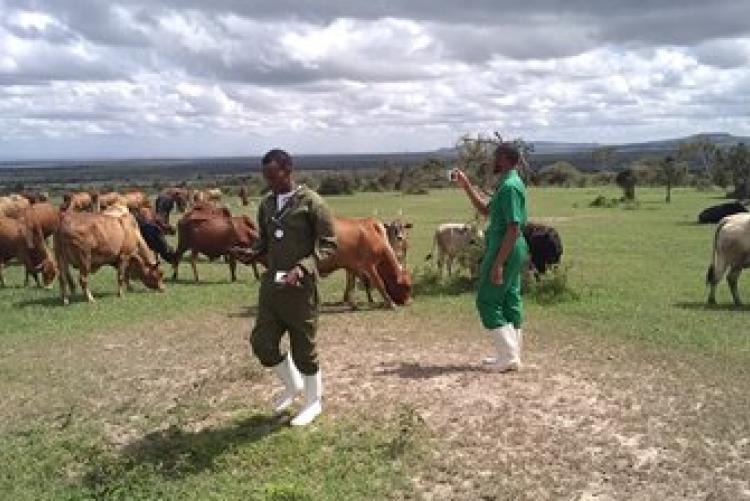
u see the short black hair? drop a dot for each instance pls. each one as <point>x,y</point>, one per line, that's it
<point>281,157</point>
<point>509,151</point>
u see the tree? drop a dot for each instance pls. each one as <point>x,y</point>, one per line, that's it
<point>671,172</point>
<point>700,151</point>
<point>626,180</point>
<point>735,162</point>
<point>476,155</point>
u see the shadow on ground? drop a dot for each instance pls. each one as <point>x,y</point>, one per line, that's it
<point>419,371</point>
<point>174,453</point>
<point>703,306</point>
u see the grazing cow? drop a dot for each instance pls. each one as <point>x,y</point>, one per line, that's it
<point>715,213</point>
<point>363,250</point>
<point>17,240</point>
<point>244,198</point>
<point>11,205</point>
<point>731,251</point>
<point>545,246</point>
<point>212,232</point>
<point>153,229</point>
<point>112,198</point>
<point>453,240</point>
<point>43,217</point>
<point>90,241</point>
<point>81,201</point>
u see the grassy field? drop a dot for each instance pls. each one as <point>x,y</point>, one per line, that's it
<point>638,273</point>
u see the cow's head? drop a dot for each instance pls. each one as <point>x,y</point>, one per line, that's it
<point>48,269</point>
<point>148,273</point>
<point>397,230</point>
<point>398,283</point>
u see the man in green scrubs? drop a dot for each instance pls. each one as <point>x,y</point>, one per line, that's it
<point>499,290</point>
<point>296,233</point>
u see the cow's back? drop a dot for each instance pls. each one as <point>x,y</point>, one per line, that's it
<point>209,234</point>
<point>103,237</point>
<point>42,216</point>
<point>452,237</point>
<point>733,238</point>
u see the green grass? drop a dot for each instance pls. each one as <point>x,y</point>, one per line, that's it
<point>252,457</point>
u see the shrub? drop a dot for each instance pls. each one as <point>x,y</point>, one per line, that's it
<point>553,287</point>
<point>559,174</point>
<point>336,184</point>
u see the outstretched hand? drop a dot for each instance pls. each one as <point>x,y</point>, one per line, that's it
<point>460,178</point>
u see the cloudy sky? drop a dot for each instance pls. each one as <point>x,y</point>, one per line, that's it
<point>142,78</point>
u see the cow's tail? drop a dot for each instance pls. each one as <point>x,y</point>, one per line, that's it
<point>434,246</point>
<point>716,259</point>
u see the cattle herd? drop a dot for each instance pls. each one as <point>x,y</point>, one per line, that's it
<point>127,231</point>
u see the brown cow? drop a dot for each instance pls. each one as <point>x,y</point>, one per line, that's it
<point>107,200</point>
<point>90,241</point>
<point>363,250</point>
<point>135,200</point>
<point>11,205</point>
<point>212,232</point>
<point>81,201</point>
<point>18,241</point>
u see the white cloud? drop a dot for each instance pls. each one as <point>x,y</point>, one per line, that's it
<point>216,79</point>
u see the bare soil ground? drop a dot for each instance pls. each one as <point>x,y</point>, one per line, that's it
<point>586,418</point>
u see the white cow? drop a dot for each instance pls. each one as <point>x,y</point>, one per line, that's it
<point>453,240</point>
<point>731,252</point>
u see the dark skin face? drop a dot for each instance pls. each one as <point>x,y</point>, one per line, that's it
<point>278,179</point>
<point>502,164</point>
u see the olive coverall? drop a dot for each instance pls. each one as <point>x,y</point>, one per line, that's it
<point>299,234</point>
<point>501,304</point>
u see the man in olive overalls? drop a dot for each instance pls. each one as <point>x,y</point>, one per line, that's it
<point>499,289</point>
<point>296,233</point>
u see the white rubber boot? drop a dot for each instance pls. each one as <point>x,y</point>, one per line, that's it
<point>508,353</point>
<point>292,380</point>
<point>313,405</point>
<point>519,342</point>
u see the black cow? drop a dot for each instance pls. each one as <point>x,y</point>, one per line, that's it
<point>545,246</point>
<point>716,213</point>
<point>164,204</point>
<point>153,234</point>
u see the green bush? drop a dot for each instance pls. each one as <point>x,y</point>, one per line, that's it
<point>553,287</point>
<point>336,184</point>
<point>559,174</point>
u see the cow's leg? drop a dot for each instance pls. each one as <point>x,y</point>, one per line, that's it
<point>732,277</point>
<point>449,264</point>
<point>2,278</point>
<point>63,279</point>
<point>368,290</point>
<point>372,274</point>
<point>84,281</point>
<point>348,290</point>
<point>122,273</point>
<point>713,277</point>
<point>232,267</point>
<point>255,271</point>
<point>193,259</point>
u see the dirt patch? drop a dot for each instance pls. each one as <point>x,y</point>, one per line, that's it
<point>584,419</point>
